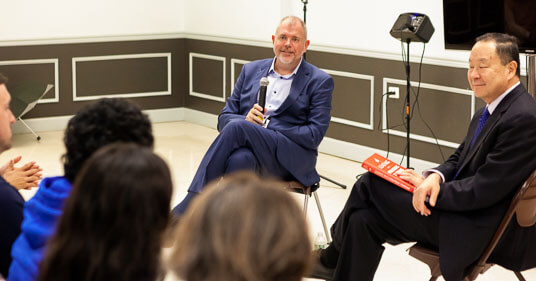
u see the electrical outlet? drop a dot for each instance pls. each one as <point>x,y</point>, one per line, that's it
<point>396,90</point>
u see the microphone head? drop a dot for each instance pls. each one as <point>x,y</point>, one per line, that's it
<point>264,81</point>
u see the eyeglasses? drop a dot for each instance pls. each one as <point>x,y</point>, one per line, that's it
<point>285,38</point>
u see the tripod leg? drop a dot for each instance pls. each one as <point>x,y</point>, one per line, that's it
<point>32,131</point>
<point>332,181</point>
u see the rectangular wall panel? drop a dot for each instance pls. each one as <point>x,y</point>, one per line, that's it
<point>207,77</point>
<point>33,71</point>
<point>127,76</point>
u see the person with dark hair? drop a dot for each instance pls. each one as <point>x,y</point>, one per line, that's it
<point>468,194</point>
<point>112,223</point>
<point>242,229</point>
<point>11,179</point>
<point>280,140</point>
<point>98,124</point>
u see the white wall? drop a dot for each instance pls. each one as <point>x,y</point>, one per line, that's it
<point>52,19</point>
<point>365,25</point>
<point>244,19</point>
<point>344,24</point>
<point>351,25</point>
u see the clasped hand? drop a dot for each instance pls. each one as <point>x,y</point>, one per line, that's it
<point>25,177</point>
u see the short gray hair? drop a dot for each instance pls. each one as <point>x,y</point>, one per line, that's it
<point>293,19</point>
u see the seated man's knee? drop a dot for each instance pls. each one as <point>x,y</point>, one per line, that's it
<point>361,217</point>
<point>364,220</point>
<point>241,159</point>
<point>236,126</point>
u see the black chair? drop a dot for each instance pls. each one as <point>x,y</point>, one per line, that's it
<point>523,205</point>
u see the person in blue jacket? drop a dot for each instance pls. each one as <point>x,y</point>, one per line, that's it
<point>112,223</point>
<point>104,122</point>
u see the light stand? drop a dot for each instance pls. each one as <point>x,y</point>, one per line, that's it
<point>305,2</point>
<point>408,116</point>
<point>407,28</point>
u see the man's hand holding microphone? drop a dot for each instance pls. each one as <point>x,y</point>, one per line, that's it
<point>256,113</point>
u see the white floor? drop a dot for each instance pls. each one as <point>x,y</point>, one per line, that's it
<point>183,144</point>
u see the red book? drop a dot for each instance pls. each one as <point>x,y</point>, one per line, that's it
<point>386,169</point>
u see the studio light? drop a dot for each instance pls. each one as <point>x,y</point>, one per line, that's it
<point>412,27</point>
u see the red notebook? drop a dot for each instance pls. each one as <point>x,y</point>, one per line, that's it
<point>386,169</point>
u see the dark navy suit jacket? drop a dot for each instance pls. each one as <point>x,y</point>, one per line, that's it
<point>11,204</point>
<point>501,159</point>
<point>300,122</point>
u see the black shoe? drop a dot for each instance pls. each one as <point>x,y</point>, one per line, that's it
<point>320,271</point>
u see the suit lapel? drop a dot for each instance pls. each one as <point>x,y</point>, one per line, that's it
<point>298,83</point>
<point>262,72</point>
<point>488,127</point>
<point>468,138</point>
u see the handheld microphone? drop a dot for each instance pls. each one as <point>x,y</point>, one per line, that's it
<point>262,92</point>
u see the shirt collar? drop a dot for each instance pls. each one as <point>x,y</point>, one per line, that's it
<point>272,70</point>
<point>493,105</point>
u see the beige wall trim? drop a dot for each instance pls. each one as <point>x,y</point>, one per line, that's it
<point>59,123</point>
<point>92,39</point>
<point>359,153</point>
<point>346,50</point>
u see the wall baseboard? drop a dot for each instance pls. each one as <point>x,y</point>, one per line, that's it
<point>59,123</point>
<point>359,153</point>
<point>329,146</point>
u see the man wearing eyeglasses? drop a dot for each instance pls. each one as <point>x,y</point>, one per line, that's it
<point>281,139</point>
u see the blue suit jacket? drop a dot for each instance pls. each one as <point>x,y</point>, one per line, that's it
<point>300,122</point>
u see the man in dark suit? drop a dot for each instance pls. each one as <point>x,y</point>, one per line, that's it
<point>280,140</point>
<point>11,202</point>
<point>468,194</point>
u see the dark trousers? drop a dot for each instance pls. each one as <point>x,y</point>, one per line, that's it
<point>241,145</point>
<point>377,212</point>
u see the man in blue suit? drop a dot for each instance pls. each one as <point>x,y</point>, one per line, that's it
<point>280,140</point>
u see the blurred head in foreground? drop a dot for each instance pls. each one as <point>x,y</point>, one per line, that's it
<point>242,229</point>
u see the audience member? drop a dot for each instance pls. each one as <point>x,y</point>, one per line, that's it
<point>104,122</point>
<point>11,179</point>
<point>113,220</point>
<point>11,202</point>
<point>242,229</point>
